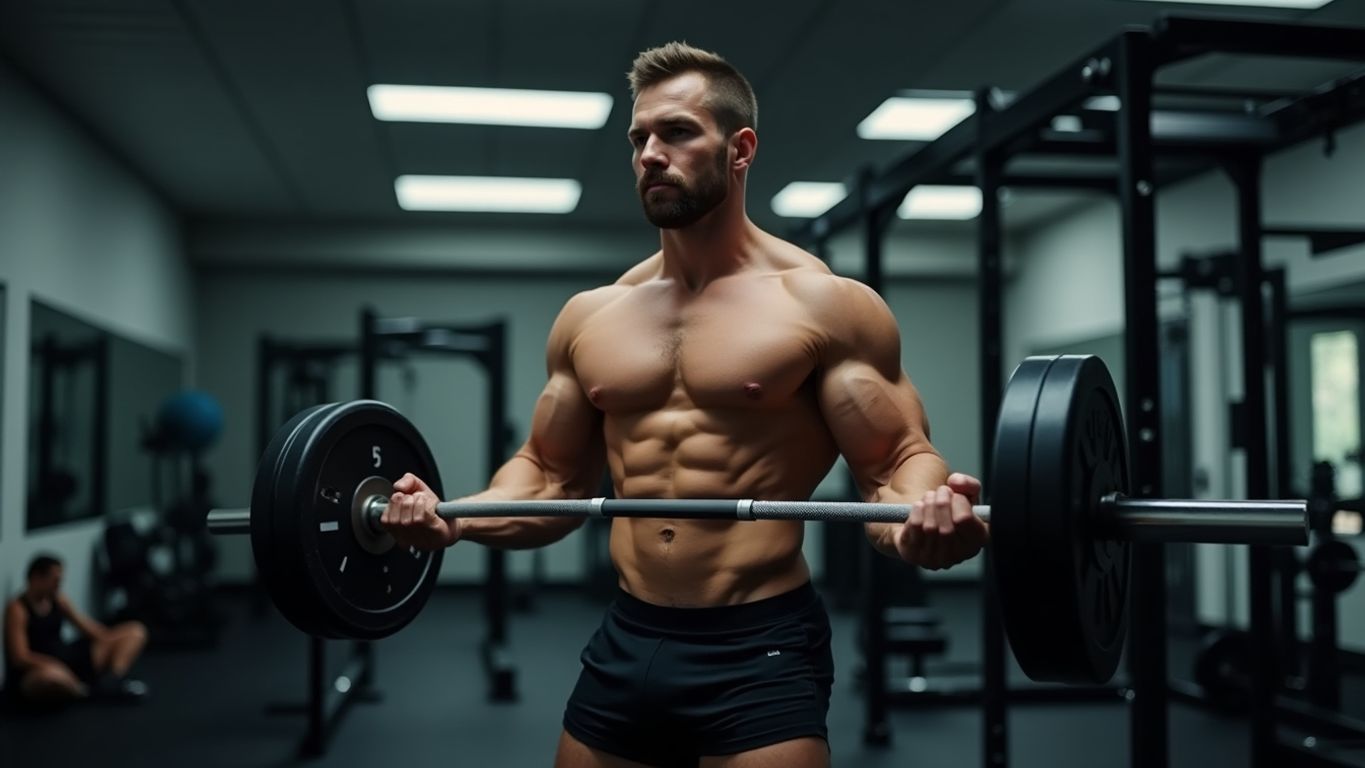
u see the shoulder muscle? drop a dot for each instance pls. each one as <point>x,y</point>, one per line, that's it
<point>576,311</point>
<point>854,321</point>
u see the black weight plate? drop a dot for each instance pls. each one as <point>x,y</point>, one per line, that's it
<point>1023,607</point>
<point>1059,448</point>
<point>359,593</point>
<point>271,562</point>
<point>1333,566</point>
<point>307,609</point>
<point>1079,454</point>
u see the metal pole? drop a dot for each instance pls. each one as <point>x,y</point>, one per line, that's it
<point>369,390</point>
<point>994,683</point>
<point>1164,520</point>
<point>1246,175</point>
<point>495,593</point>
<point>315,737</point>
<point>1324,666</point>
<point>369,355</point>
<point>1209,521</point>
<point>265,424</point>
<point>501,672</point>
<point>876,729</point>
<point>1286,561</point>
<point>1150,736</point>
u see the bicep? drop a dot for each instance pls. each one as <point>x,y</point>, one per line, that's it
<point>565,427</point>
<point>877,420</point>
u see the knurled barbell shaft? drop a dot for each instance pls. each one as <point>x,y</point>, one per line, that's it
<point>1168,520</point>
<point>1155,520</point>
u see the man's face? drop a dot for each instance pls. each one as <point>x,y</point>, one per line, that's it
<point>46,585</point>
<point>681,160</point>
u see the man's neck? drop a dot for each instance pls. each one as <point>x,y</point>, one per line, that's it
<point>721,243</point>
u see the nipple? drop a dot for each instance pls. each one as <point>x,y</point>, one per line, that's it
<point>753,390</point>
<point>595,394</point>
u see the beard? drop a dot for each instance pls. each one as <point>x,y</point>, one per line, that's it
<point>687,204</point>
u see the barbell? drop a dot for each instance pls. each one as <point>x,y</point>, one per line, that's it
<point>1061,525</point>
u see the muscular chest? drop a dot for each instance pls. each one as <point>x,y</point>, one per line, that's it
<point>717,353</point>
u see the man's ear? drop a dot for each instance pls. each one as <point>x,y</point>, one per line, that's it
<point>744,142</point>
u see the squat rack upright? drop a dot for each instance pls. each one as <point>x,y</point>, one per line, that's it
<point>1152,145</point>
<point>329,696</point>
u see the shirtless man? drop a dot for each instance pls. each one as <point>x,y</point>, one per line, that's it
<point>730,364</point>
<point>43,669</point>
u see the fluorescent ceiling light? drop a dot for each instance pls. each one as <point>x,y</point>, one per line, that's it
<point>1067,124</point>
<point>1108,103</point>
<point>487,194</point>
<point>1309,4</point>
<point>489,106</point>
<point>939,202</point>
<point>912,116</point>
<point>808,199</point>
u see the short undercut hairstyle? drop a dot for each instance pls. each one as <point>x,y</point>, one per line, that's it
<point>730,97</point>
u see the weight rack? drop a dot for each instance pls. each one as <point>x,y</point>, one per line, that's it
<point>329,698</point>
<point>1152,144</point>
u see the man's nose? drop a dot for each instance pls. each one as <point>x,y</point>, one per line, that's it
<point>652,154</point>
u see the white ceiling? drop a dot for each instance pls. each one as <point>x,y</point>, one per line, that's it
<point>256,109</point>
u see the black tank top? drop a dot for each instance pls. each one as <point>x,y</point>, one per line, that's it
<point>44,636</point>
<point>44,630</point>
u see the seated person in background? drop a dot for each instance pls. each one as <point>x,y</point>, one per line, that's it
<point>42,668</point>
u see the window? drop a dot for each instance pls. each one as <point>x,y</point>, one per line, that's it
<point>1335,361</point>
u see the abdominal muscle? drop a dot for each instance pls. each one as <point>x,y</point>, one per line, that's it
<point>689,453</point>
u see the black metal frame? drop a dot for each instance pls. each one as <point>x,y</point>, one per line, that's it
<point>329,698</point>
<point>486,345</point>
<point>1137,134</point>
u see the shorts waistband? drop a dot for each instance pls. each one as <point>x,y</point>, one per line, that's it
<point>769,610</point>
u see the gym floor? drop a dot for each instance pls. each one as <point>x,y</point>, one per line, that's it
<point>209,707</point>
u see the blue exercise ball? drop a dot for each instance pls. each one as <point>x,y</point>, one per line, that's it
<point>191,420</point>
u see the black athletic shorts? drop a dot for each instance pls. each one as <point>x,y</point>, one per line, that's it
<point>79,655</point>
<point>664,686</point>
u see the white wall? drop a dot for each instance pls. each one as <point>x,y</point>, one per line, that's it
<point>281,281</point>
<point>1070,285</point>
<point>79,232</point>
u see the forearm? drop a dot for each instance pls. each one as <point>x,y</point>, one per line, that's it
<point>522,478</point>
<point>913,478</point>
